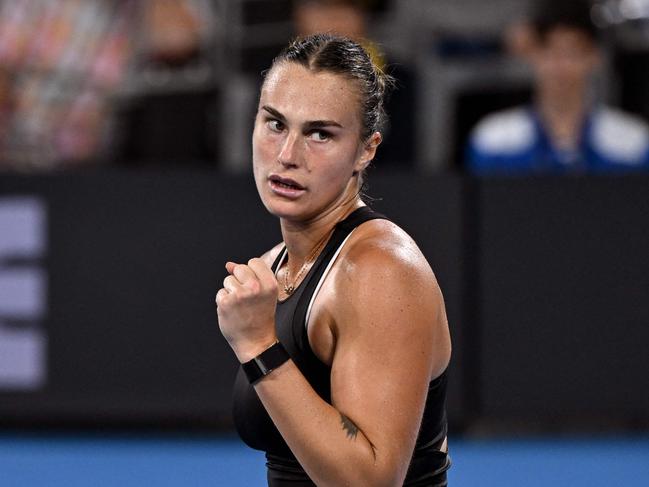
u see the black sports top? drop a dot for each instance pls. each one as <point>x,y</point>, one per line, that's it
<point>428,465</point>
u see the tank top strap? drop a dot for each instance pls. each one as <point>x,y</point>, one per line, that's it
<point>278,259</point>
<point>354,219</point>
<point>357,217</point>
<point>341,232</point>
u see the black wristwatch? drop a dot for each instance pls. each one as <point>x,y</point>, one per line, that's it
<point>264,363</point>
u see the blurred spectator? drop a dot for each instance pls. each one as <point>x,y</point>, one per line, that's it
<point>171,121</point>
<point>174,31</point>
<point>352,18</point>
<point>348,18</point>
<point>565,130</point>
<point>59,62</point>
<point>63,61</point>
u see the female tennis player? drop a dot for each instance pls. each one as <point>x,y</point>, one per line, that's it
<point>340,329</point>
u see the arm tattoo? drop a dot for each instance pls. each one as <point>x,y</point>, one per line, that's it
<point>351,430</point>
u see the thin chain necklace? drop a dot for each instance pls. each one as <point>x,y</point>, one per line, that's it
<point>289,287</point>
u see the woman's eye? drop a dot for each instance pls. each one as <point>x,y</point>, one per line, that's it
<point>320,135</point>
<point>275,125</point>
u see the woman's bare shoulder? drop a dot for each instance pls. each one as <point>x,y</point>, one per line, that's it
<point>385,287</point>
<point>384,264</point>
<point>382,246</point>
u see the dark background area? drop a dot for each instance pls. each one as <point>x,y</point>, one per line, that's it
<point>545,284</point>
<point>545,279</point>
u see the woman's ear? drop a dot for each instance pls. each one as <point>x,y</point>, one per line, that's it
<point>368,152</point>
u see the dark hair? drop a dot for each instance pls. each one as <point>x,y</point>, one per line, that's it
<point>576,14</point>
<point>341,55</point>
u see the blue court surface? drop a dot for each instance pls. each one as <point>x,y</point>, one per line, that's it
<point>125,460</point>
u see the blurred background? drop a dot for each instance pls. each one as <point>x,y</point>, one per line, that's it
<point>125,185</point>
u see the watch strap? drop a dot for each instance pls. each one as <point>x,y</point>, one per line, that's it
<point>264,363</point>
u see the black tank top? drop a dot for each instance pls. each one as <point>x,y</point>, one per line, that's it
<point>428,465</point>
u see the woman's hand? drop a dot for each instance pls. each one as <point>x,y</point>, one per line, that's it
<point>246,308</point>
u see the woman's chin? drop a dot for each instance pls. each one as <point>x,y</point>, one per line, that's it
<point>286,210</point>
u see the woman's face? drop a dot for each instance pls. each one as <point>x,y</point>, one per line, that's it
<point>306,144</point>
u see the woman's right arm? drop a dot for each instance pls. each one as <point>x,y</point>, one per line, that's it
<point>391,339</point>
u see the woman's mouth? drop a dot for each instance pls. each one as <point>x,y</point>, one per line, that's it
<point>285,186</point>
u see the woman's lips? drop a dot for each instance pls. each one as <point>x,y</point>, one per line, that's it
<point>285,187</point>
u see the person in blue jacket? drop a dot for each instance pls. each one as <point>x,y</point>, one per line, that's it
<point>564,130</point>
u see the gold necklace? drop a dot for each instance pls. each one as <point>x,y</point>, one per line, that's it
<point>289,287</point>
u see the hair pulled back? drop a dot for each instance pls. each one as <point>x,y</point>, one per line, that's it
<point>341,55</point>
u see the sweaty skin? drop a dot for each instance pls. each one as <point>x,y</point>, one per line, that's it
<point>379,319</point>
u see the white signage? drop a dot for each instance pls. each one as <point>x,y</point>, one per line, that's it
<point>23,293</point>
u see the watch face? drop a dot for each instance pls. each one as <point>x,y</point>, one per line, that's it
<point>264,363</point>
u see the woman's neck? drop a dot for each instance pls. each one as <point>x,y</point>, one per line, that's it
<point>301,238</point>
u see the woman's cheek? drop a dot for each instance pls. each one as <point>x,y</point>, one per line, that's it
<point>266,150</point>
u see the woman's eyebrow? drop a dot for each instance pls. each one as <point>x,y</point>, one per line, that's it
<point>309,125</point>
<point>274,112</point>
<point>322,123</point>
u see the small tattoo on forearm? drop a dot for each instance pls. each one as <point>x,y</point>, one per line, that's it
<point>351,430</point>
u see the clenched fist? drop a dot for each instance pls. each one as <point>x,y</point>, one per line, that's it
<point>246,308</point>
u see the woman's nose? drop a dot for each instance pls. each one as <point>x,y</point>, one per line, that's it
<point>289,151</point>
